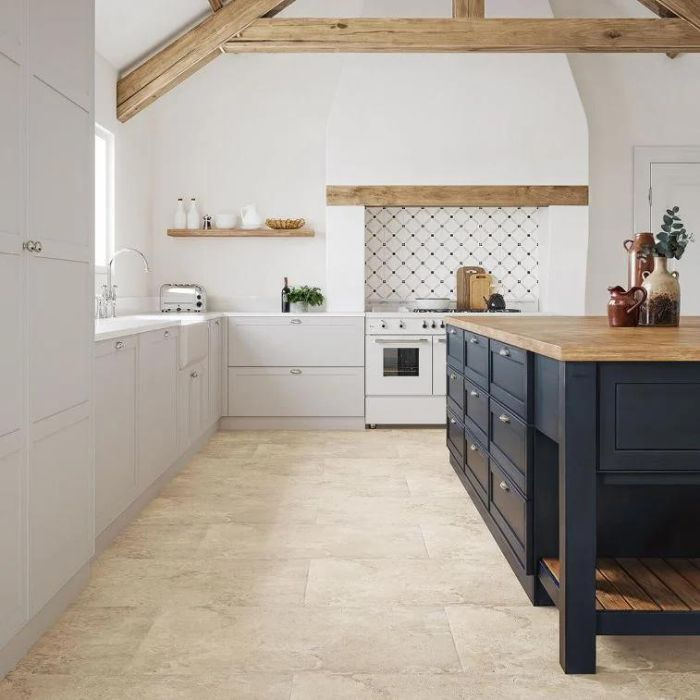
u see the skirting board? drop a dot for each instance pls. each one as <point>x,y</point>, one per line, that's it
<point>109,534</point>
<point>311,423</point>
<point>13,652</point>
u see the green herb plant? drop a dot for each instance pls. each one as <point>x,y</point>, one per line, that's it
<point>671,242</point>
<point>311,296</point>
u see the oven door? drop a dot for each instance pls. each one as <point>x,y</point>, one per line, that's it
<point>399,366</point>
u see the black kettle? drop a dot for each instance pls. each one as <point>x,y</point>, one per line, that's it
<point>495,302</point>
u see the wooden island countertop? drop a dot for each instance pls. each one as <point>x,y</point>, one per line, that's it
<point>588,338</point>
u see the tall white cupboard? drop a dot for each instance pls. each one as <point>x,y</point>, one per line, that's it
<point>46,242</point>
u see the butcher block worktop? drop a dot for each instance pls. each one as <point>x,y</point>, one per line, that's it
<point>589,338</point>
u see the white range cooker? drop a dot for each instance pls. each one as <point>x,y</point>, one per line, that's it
<point>405,368</point>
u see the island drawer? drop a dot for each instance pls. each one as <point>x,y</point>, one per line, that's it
<point>476,362</point>
<point>455,347</point>
<point>510,443</point>
<point>455,437</point>
<point>455,390</point>
<point>648,417</point>
<point>511,511</point>
<point>476,466</point>
<point>477,410</point>
<point>509,378</point>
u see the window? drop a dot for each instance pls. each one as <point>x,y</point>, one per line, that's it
<point>104,197</point>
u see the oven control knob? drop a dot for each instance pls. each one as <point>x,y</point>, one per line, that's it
<point>382,324</point>
<point>433,325</point>
<point>402,324</point>
<point>442,324</point>
<point>425,324</point>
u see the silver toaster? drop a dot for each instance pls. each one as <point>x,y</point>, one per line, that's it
<point>183,298</point>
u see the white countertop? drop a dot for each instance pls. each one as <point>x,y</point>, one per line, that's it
<point>109,328</point>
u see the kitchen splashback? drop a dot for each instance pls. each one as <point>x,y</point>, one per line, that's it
<point>414,252</point>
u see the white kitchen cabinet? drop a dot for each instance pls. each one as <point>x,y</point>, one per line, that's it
<point>67,24</point>
<point>12,536</point>
<point>157,403</point>
<point>193,403</point>
<point>11,31</point>
<point>61,517</point>
<point>296,341</point>
<point>295,391</point>
<point>216,370</point>
<point>116,475</point>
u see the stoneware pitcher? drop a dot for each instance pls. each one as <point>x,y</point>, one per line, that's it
<point>663,302</point>
<point>623,307</point>
<point>250,217</point>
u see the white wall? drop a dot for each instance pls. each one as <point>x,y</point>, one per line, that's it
<point>274,130</point>
<point>133,187</point>
<point>630,100</point>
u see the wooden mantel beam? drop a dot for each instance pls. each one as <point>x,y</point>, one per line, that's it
<point>468,8</point>
<point>187,54</point>
<point>689,10</point>
<point>362,35</point>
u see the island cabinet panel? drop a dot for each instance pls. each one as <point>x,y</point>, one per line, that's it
<point>511,444</point>
<point>476,466</point>
<point>510,377</point>
<point>477,410</point>
<point>455,390</point>
<point>545,397</point>
<point>455,347</point>
<point>476,361</point>
<point>648,417</point>
<point>455,438</point>
<point>511,511</point>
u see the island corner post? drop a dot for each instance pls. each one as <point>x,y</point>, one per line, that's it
<point>579,447</point>
<point>577,516</point>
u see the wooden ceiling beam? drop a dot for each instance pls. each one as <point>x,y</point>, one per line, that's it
<point>689,10</point>
<point>282,6</point>
<point>656,8</point>
<point>216,5</point>
<point>185,55</point>
<point>468,8</point>
<point>362,35</point>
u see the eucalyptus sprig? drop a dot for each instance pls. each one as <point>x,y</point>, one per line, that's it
<point>306,295</point>
<point>673,238</point>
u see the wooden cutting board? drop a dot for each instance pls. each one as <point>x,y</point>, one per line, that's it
<point>462,285</point>
<point>479,291</point>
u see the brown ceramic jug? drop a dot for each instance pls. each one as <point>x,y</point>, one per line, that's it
<point>623,307</point>
<point>641,258</point>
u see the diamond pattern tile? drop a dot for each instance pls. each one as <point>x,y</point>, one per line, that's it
<point>414,252</point>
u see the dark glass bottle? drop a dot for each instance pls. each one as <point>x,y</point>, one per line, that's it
<point>285,297</point>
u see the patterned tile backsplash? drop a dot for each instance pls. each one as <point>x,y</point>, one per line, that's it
<point>414,252</point>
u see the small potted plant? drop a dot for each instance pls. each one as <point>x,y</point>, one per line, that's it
<point>663,303</point>
<point>301,298</point>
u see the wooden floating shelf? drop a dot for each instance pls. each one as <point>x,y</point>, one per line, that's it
<point>643,585</point>
<point>241,233</point>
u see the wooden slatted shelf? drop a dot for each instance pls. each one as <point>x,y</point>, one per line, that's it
<point>642,585</point>
<point>241,233</point>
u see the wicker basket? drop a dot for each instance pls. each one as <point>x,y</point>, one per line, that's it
<point>285,224</point>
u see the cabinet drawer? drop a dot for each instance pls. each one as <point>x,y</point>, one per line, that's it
<point>477,410</point>
<point>510,443</point>
<point>476,349</point>
<point>476,466</point>
<point>296,341</point>
<point>510,510</point>
<point>509,377</point>
<point>455,347</point>
<point>455,438</point>
<point>294,391</point>
<point>455,390</point>
<point>648,417</point>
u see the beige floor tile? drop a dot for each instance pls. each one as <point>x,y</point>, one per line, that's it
<point>61,687</point>
<point>398,510</point>
<point>472,541</point>
<point>437,484</point>
<point>292,541</point>
<point>192,641</point>
<point>212,581</point>
<point>408,582</point>
<point>146,540</point>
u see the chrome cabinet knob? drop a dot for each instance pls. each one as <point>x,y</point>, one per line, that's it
<point>504,352</point>
<point>29,246</point>
<point>452,421</point>
<point>194,375</point>
<point>38,247</point>
<point>451,331</point>
<point>295,371</point>
<point>504,418</point>
<point>504,486</point>
<point>453,377</point>
<point>474,394</point>
<point>166,334</point>
<point>119,345</point>
<point>473,448</point>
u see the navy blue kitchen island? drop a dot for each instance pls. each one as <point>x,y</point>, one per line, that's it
<point>580,447</point>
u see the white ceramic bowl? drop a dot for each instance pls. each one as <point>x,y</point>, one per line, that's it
<point>225,219</point>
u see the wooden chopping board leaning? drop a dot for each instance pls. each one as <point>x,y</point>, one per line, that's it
<point>462,285</point>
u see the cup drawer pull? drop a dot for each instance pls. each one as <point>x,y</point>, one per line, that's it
<point>473,448</point>
<point>504,352</point>
<point>504,486</point>
<point>474,394</point>
<point>504,419</point>
<point>295,371</point>
<point>474,341</point>
<point>452,421</point>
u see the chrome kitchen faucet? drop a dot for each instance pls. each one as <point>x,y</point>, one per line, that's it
<point>107,303</point>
